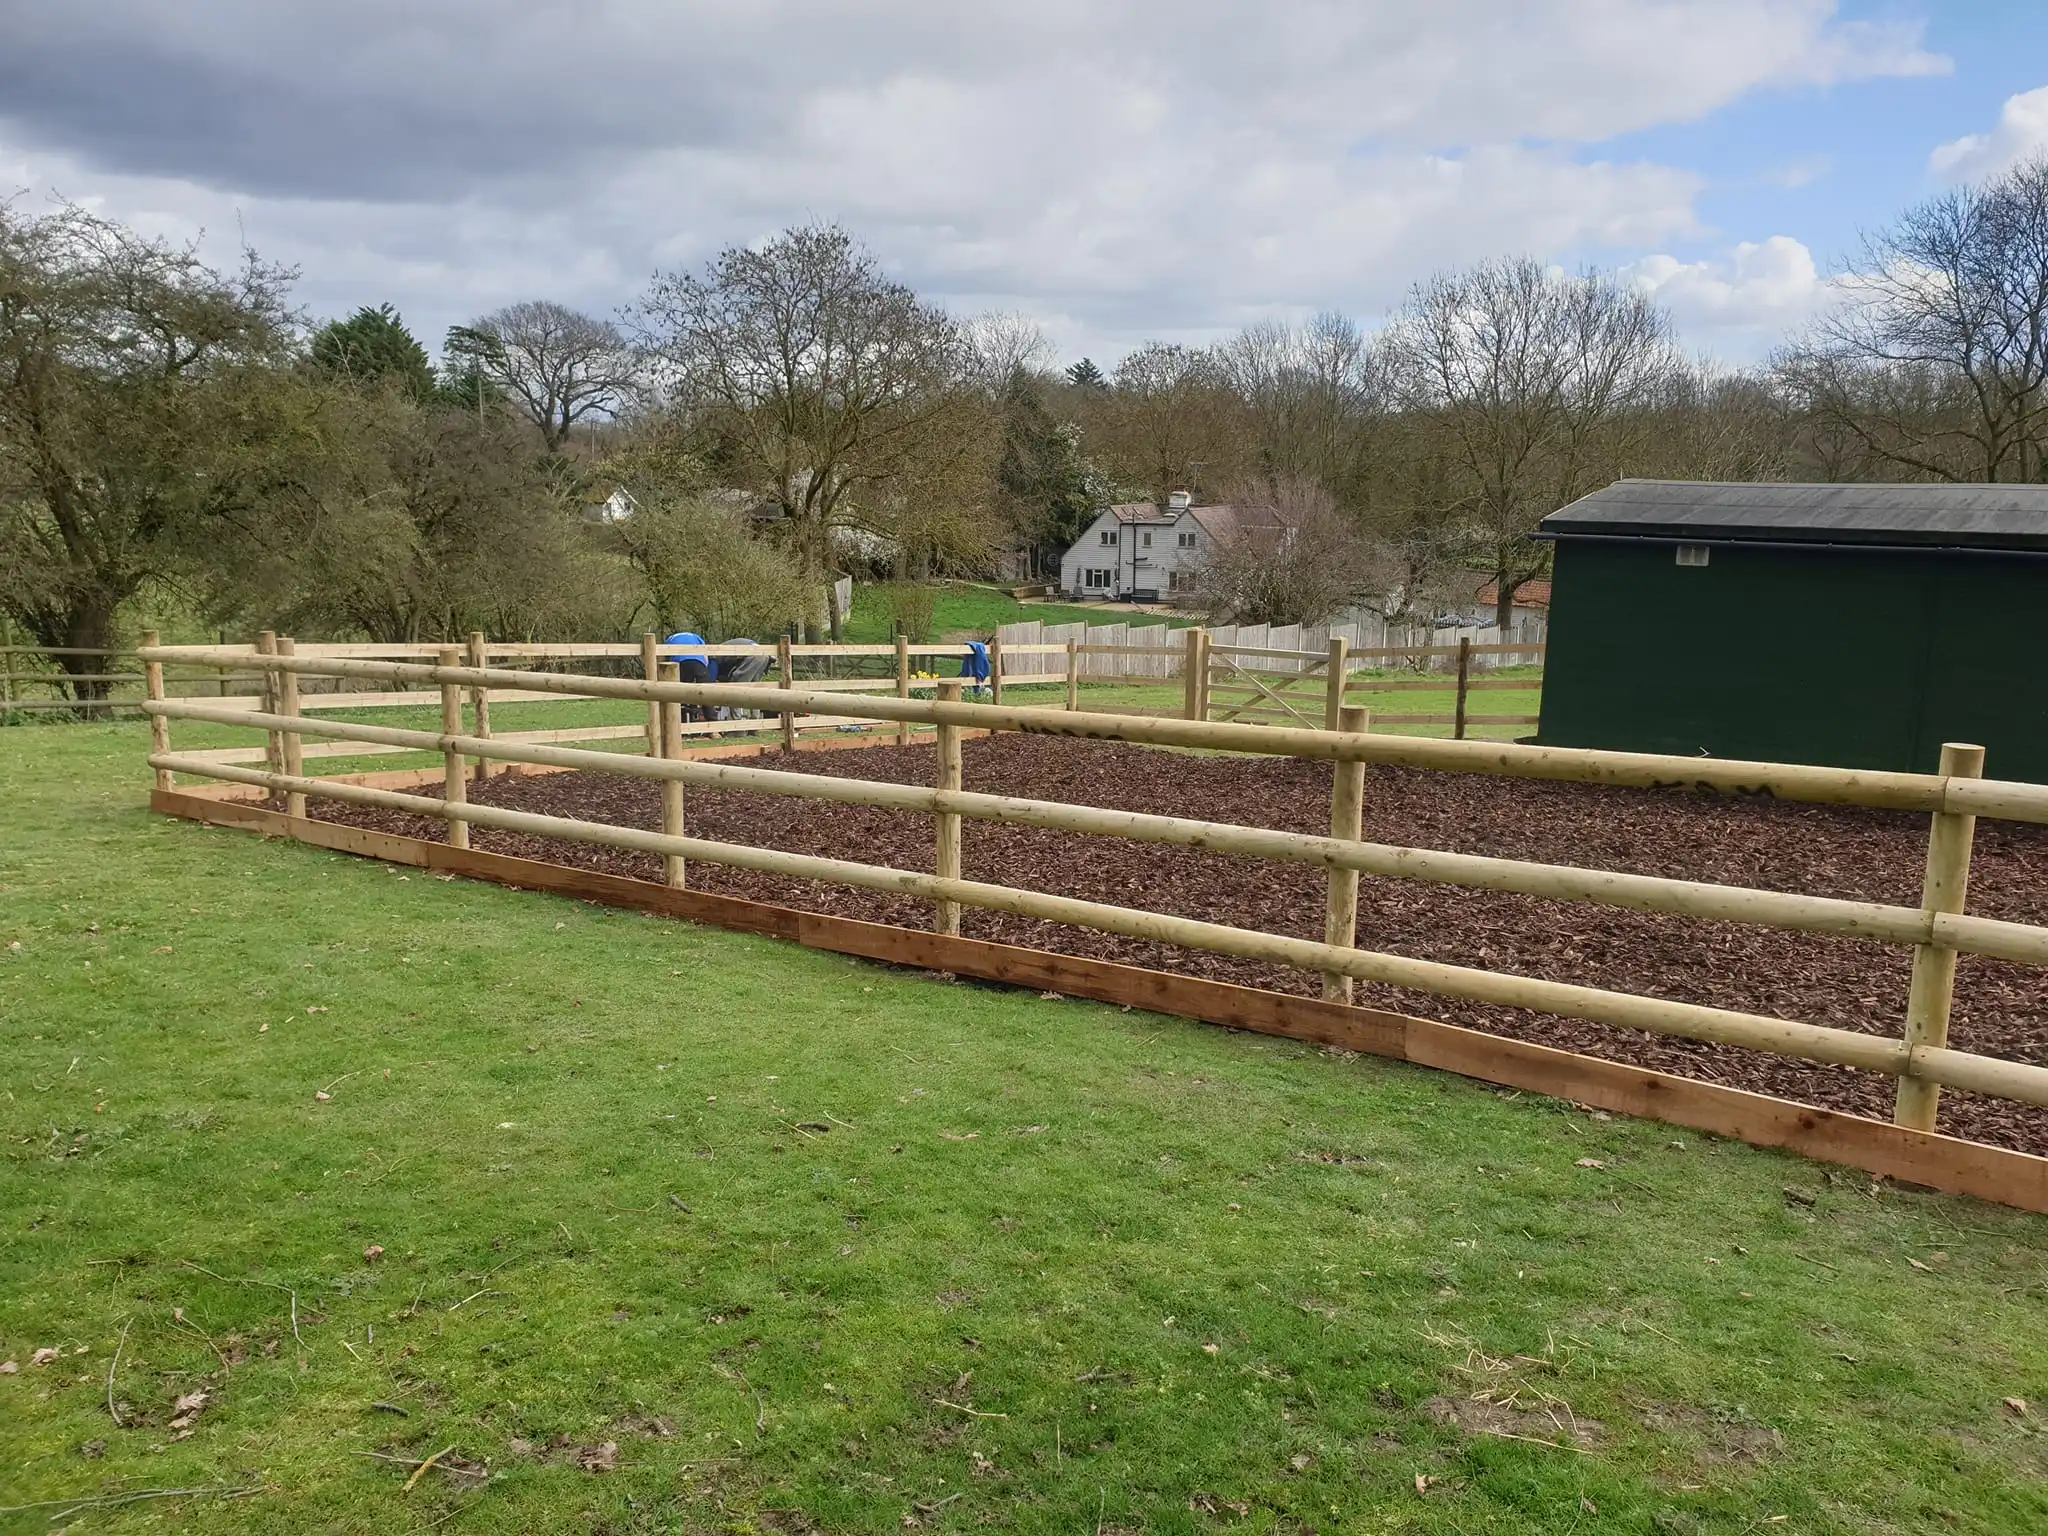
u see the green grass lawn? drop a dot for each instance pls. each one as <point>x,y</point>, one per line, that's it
<point>965,611</point>
<point>776,1241</point>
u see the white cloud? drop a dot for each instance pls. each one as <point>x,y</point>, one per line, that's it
<point>1119,170</point>
<point>1742,301</point>
<point>2022,130</point>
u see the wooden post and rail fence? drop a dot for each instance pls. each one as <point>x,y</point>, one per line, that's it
<point>1936,931</point>
<point>1221,681</point>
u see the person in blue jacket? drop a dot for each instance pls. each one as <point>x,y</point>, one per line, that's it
<point>691,667</point>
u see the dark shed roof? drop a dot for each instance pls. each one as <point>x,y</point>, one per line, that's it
<point>1919,516</point>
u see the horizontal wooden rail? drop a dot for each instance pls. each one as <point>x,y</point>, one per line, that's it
<point>1879,789</point>
<point>1840,1047</point>
<point>70,677</point>
<point>1641,893</point>
<point>1448,685</point>
<point>59,650</point>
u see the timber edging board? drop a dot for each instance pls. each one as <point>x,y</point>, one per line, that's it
<point>1946,1163</point>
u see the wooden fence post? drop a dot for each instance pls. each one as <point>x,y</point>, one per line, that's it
<point>951,777</point>
<point>1347,820</point>
<point>1932,989</point>
<point>1333,693</point>
<point>159,727</point>
<point>273,743</point>
<point>291,748</point>
<point>1073,674</point>
<point>650,667</point>
<point>480,699</point>
<point>1205,674</point>
<point>785,663</point>
<point>1191,675</point>
<point>453,769</point>
<point>672,789</point>
<point>902,682</point>
<point>1464,681</point>
<point>995,668</point>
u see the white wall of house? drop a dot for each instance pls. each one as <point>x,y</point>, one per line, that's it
<point>1152,559</point>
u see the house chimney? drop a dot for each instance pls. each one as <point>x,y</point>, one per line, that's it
<point>1178,501</point>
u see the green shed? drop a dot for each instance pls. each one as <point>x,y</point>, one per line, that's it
<point>1855,625</point>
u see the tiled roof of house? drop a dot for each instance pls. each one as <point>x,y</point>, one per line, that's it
<point>1219,521</point>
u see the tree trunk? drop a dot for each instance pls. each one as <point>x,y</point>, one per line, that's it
<point>88,624</point>
<point>1504,589</point>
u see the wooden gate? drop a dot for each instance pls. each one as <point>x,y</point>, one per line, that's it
<point>1292,688</point>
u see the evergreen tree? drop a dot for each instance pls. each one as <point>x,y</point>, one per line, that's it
<point>1085,375</point>
<point>373,345</point>
<point>1044,481</point>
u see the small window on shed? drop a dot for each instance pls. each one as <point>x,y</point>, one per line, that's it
<point>1692,554</point>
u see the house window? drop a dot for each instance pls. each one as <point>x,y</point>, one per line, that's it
<point>1180,581</point>
<point>1145,539</point>
<point>1096,580</point>
<point>1692,554</point>
<point>1109,535</point>
<point>1187,540</point>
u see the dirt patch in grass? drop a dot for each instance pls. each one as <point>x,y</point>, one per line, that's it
<point>1717,1437</point>
<point>1477,1416</point>
<point>2001,1009</point>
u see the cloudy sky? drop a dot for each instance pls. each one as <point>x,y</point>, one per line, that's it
<point>1116,169</point>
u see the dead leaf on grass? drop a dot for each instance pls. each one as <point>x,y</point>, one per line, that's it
<point>598,1458</point>
<point>1589,1162</point>
<point>45,1356</point>
<point>188,1408</point>
<point>373,1253</point>
<point>961,1136</point>
<point>2016,1406</point>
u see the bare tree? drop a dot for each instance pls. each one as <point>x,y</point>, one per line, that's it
<point>1001,345</point>
<point>1169,421</point>
<point>559,365</point>
<point>1537,381</point>
<point>824,386</point>
<point>1309,391</point>
<point>1936,363</point>
<point>1292,559</point>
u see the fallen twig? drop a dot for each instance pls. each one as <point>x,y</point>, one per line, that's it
<point>112,1366</point>
<point>963,1408</point>
<point>132,1496</point>
<point>269,1285</point>
<point>1823,1263</point>
<point>1555,1445</point>
<point>178,1317</point>
<point>472,1297</point>
<point>420,1471</point>
<point>434,1461</point>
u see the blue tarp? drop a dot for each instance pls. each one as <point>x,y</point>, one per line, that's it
<point>975,663</point>
<point>684,637</point>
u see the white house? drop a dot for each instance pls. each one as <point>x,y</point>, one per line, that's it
<point>1147,553</point>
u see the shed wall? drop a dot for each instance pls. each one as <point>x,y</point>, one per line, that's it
<point>1852,658</point>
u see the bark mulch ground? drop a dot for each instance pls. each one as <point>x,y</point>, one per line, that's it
<point>2000,1009</point>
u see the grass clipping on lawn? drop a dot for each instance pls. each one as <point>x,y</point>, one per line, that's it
<point>609,1223</point>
